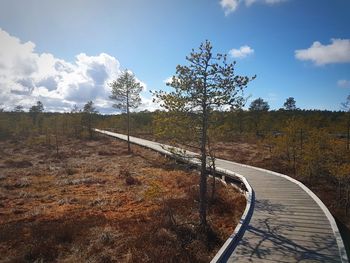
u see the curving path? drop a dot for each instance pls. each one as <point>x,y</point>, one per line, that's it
<point>288,222</point>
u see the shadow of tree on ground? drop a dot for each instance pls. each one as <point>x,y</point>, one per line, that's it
<point>282,241</point>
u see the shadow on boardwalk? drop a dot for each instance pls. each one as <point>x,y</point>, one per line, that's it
<point>265,238</point>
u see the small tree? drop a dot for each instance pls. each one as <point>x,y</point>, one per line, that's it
<point>206,83</point>
<point>290,104</point>
<point>18,108</point>
<point>314,158</point>
<point>258,107</point>
<point>174,126</point>
<point>126,93</point>
<point>337,160</point>
<point>75,114</point>
<point>35,111</point>
<point>89,110</point>
<point>75,109</point>
<point>239,116</point>
<point>39,107</point>
<point>289,143</point>
<point>18,114</point>
<point>338,165</point>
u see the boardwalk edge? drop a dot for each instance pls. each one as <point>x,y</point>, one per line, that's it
<point>231,243</point>
<point>336,232</point>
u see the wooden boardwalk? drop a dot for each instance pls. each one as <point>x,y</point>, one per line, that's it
<point>289,223</point>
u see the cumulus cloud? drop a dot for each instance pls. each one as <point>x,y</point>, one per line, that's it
<point>229,6</point>
<point>148,104</point>
<point>343,83</point>
<point>242,52</point>
<point>336,52</point>
<point>26,76</point>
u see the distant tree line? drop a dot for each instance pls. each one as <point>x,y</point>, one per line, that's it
<point>37,123</point>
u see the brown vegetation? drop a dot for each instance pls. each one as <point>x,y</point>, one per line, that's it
<point>94,201</point>
<point>258,154</point>
<point>321,163</point>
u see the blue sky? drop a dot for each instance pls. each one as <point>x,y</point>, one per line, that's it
<point>93,40</point>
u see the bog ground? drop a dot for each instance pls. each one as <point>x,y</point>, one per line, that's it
<point>94,201</point>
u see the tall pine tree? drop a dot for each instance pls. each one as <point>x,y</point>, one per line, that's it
<point>208,82</point>
<point>126,94</point>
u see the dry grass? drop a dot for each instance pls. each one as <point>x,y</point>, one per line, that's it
<point>95,202</point>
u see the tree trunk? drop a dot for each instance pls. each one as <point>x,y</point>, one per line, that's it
<point>213,185</point>
<point>203,179</point>
<point>128,117</point>
<point>212,169</point>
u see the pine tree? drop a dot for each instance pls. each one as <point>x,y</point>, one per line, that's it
<point>208,82</point>
<point>89,111</point>
<point>126,94</point>
<point>290,104</point>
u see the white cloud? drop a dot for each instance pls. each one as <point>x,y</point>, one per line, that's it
<point>168,80</point>
<point>343,83</point>
<point>268,2</point>
<point>336,52</point>
<point>242,52</point>
<point>148,104</point>
<point>274,1</point>
<point>229,6</point>
<point>249,2</point>
<point>26,76</point>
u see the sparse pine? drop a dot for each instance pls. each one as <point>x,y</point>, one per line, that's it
<point>126,95</point>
